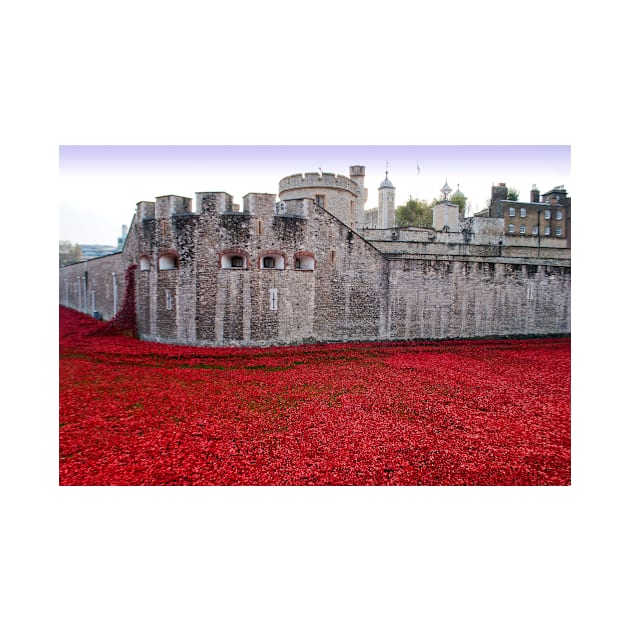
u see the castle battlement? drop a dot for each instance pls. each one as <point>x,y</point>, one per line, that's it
<point>317,180</point>
<point>303,267</point>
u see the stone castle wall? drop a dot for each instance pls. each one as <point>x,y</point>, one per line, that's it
<point>352,292</point>
<point>294,272</point>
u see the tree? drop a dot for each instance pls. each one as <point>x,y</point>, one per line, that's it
<point>69,253</point>
<point>415,213</point>
<point>512,194</point>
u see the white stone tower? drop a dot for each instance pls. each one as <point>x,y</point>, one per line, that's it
<point>387,203</point>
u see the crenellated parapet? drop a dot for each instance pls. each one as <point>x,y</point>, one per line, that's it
<point>260,204</point>
<point>170,205</point>
<point>317,180</point>
<point>145,210</point>
<point>214,202</point>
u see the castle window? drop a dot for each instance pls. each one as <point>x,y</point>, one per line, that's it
<point>273,299</point>
<point>167,261</point>
<point>259,227</point>
<point>511,228</point>
<point>522,229</point>
<point>145,263</point>
<point>512,212</point>
<point>535,230</point>
<point>233,259</point>
<point>168,297</point>
<point>304,262</point>
<point>547,230</point>
<point>523,213</point>
<point>272,260</point>
<point>547,214</point>
<point>321,200</point>
<point>558,231</point>
<point>559,215</point>
<point>332,256</point>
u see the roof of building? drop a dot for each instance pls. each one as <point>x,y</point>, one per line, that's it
<point>458,194</point>
<point>386,183</point>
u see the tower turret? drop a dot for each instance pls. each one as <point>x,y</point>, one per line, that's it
<point>387,202</point>
<point>446,191</point>
<point>357,175</point>
<point>459,198</point>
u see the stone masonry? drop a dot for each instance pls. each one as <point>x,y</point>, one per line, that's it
<point>296,270</point>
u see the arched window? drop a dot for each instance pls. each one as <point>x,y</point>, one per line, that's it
<point>167,261</point>
<point>304,261</point>
<point>145,263</point>
<point>271,260</point>
<point>233,259</point>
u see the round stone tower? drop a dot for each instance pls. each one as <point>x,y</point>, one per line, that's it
<point>339,195</point>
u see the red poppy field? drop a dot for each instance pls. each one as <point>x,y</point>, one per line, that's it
<point>490,412</point>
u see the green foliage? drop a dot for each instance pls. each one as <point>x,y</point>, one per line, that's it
<point>69,253</point>
<point>415,213</point>
<point>513,194</point>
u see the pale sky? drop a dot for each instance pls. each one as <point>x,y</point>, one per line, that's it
<point>100,185</point>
